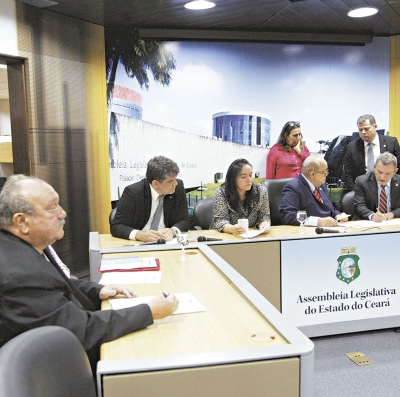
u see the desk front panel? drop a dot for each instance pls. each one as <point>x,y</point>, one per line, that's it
<point>278,377</point>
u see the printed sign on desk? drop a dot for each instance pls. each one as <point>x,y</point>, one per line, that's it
<point>339,279</point>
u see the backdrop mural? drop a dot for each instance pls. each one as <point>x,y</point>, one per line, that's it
<point>162,98</point>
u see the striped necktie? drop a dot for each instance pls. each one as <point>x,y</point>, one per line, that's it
<point>317,195</point>
<point>383,201</point>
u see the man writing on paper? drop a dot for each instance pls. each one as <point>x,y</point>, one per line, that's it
<point>308,192</point>
<point>377,194</point>
<point>35,292</point>
<point>154,208</point>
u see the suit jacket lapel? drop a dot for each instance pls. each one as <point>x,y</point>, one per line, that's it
<point>394,192</point>
<point>78,294</point>
<point>373,185</point>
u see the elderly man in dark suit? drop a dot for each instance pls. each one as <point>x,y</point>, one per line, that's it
<point>35,292</point>
<point>362,153</point>
<point>377,194</point>
<point>308,192</point>
<point>136,216</point>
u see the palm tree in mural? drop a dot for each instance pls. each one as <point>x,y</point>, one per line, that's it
<point>138,56</point>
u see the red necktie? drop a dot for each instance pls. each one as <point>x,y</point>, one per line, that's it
<point>383,201</point>
<point>317,195</point>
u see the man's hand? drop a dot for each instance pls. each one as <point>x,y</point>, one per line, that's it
<point>328,221</point>
<point>149,236</point>
<point>111,290</point>
<point>379,217</point>
<point>167,234</point>
<point>162,306</point>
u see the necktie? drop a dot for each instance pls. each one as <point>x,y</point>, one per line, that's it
<point>370,157</point>
<point>59,262</point>
<point>157,215</point>
<point>317,195</point>
<point>383,201</point>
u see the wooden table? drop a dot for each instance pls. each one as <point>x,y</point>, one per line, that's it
<point>240,346</point>
<point>286,266</point>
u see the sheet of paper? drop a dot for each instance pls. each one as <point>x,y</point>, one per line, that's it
<point>151,277</point>
<point>129,263</point>
<point>253,233</point>
<point>364,223</point>
<point>342,216</point>
<point>187,303</point>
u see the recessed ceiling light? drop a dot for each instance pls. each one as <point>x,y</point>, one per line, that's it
<point>362,12</point>
<point>199,5</point>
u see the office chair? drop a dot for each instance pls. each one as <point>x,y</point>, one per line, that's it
<point>45,361</point>
<point>348,203</point>
<point>274,187</point>
<point>112,214</point>
<point>203,213</point>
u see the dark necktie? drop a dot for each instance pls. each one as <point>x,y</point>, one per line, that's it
<point>370,157</point>
<point>317,195</point>
<point>383,201</point>
<point>155,223</point>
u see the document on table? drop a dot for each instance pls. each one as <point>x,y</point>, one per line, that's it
<point>253,233</point>
<point>131,278</point>
<point>365,223</point>
<point>187,303</point>
<point>132,263</point>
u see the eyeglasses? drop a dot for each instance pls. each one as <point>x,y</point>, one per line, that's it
<point>294,124</point>
<point>326,173</point>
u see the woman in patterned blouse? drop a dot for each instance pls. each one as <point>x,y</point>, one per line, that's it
<point>240,198</point>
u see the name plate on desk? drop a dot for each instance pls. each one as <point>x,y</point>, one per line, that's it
<point>340,279</point>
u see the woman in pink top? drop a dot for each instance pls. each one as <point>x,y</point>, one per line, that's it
<point>286,157</point>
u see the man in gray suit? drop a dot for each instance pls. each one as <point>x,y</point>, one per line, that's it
<point>357,154</point>
<point>377,194</point>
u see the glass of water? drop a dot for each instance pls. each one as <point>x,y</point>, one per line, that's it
<point>301,217</point>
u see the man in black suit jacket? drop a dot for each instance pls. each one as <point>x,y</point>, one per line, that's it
<point>355,158</point>
<point>138,203</point>
<point>35,292</point>
<point>367,191</point>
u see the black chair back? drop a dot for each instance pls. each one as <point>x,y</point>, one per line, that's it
<point>274,187</point>
<point>203,213</point>
<point>348,203</point>
<point>45,361</point>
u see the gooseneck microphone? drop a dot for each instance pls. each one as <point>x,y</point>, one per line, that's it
<point>159,241</point>
<point>201,239</point>
<point>320,230</point>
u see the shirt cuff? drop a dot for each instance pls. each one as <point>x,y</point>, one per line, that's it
<point>132,235</point>
<point>312,221</point>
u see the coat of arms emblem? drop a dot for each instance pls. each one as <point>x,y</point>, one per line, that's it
<point>348,269</point>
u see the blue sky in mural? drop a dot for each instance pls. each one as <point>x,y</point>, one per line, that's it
<point>326,88</point>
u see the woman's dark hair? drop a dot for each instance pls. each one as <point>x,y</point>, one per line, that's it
<point>231,193</point>
<point>286,130</point>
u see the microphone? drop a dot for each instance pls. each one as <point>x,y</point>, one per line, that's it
<point>320,230</point>
<point>159,241</point>
<point>201,239</point>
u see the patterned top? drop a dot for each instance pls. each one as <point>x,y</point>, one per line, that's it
<point>283,164</point>
<point>223,213</point>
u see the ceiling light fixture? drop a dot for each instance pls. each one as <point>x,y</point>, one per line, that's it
<point>199,5</point>
<point>362,12</point>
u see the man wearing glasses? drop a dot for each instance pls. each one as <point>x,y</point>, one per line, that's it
<point>362,153</point>
<point>308,192</point>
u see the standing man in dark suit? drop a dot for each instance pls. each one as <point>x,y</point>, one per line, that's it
<point>308,192</point>
<point>138,205</point>
<point>35,292</point>
<point>362,153</point>
<point>377,194</point>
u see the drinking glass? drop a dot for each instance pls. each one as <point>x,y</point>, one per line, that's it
<point>183,241</point>
<point>301,217</point>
